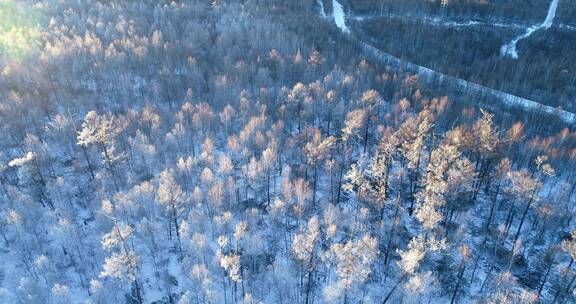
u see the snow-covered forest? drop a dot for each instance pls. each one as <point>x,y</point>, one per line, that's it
<point>248,151</point>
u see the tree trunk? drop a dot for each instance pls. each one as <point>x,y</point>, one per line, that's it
<point>524,215</point>
<point>392,232</point>
<point>83,148</point>
<point>109,167</point>
<point>510,217</point>
<point>137,292</point>
<point>492,207</point>
<point>314,185</point>
<point>329,122</point>
<point>366,134</point>
<point>473,272</point>
<point>177,227</point>
<point>394,288</point>
<point>560,292</point>
<point>413,184</point>
<point>268,188</point>
<point>544,280</point>
<point>521,223</point>
<point>309,283</point>
<point>486,279</point>
<point>569,286</point>
<point>339,184</point>
<point>460,274</point>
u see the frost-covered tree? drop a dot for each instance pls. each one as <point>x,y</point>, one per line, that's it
<point>432,197</point>
<point>123,263</point>
<point>525,187</point>
<point>101,131</point>
<point>171,197</point>
<point>502,169</point>
<point>353,262</point>
<point>353,124</point>
<point>304,247</point>
<point>317,150</point>
<point>413,133</point>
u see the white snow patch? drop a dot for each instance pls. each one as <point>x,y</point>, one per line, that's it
<point>339,16</point>
<point>510,48</point>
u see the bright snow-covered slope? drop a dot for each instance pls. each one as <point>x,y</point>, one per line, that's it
<point>510,48</point>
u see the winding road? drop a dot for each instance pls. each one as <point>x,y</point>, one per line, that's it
<point>510,48</point>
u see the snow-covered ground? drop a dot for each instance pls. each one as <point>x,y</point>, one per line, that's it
<point>510,48</point>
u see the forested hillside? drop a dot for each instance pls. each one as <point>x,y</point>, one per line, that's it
<point>251,152</point>
<point>473,37</point>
